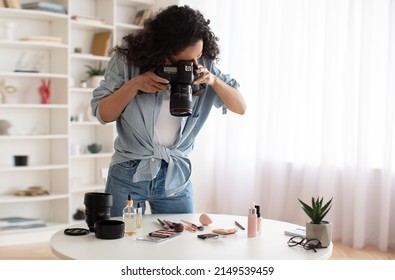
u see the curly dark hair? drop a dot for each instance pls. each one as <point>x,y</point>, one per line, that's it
<point>169,32</point>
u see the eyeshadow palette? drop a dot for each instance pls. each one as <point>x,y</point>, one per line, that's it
<point>159,236</point>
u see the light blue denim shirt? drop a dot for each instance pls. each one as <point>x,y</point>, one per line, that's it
<point>135,126</point>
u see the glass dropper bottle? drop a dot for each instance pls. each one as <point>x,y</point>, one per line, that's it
<point>129,217</point>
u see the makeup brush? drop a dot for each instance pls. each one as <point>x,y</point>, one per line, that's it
<point>193,226</point>
<point>163,224</point>
<point>177,227</point>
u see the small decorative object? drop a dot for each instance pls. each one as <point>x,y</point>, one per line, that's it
<point>83,84</point>
<point>4,126</point>
<point>71,81</point>
<point>95,74</point>
<point>10,31</point>
<point>20,160</point>
<point>45,91</point>
<point>30,64</point>
<point>317,228</point>
<point>76,149</point>
<point>32,191</point>
<point>79,214</point>
<point>78,50</point>
<point>5,91</point>
<point>94,148</point>
<point>81,117</point>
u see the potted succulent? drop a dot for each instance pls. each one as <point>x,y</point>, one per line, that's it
<point>317,227</point>
<point>95,74</point>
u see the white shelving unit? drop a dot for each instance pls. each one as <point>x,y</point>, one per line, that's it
<point>49,133</point>
<point>39,131</point>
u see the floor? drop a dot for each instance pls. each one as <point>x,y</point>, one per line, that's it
<point>42,251</point>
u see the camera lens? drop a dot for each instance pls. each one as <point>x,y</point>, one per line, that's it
<point>97,208</point>
<point>181,100</point>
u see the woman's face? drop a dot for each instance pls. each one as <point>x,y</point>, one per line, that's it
<point>191,53</point>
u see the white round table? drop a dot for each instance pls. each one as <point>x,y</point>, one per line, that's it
<point>271,244</point>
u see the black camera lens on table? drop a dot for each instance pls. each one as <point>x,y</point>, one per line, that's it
<point>97,208</point>
<point>181,77</point>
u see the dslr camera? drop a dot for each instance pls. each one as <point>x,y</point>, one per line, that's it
<point>181,77</point>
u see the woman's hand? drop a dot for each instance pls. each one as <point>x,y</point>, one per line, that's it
<point>205,76</point>
<point>112,106</point>
<point>149,82</point>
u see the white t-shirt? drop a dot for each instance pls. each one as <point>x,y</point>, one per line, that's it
<point>167,127</point>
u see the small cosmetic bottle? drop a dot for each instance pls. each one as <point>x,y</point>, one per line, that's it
<point>139,215</point>
<point>258,219</point>
<point>252,222</point>
<point>129,217</point>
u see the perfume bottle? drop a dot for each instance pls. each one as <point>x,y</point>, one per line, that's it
<point>259,219</point>
<point>252,222</point>
<point>129,217</point>
<point>139,215</point>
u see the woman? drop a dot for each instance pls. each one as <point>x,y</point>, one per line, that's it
<point>151,150</point>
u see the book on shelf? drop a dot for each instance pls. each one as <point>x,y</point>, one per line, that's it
<point>88,19</point>
<point>101,43</point>
<point>141,16</point>
<point>9,223</point>
<point>45,6</point>
<point>14,4</point>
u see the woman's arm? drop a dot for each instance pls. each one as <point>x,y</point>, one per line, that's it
<point>231,96</point>
<point>112,106</point>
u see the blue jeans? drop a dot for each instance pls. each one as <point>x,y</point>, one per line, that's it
<point>120,184</point>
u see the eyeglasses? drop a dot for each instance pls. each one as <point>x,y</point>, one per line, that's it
<point>307,244</point>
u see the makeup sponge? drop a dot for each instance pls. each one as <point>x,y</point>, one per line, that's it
<point>205,220</point>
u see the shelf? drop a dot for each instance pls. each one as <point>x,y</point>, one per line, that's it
<point>49,226</point>
<point>89,57</point>
<point>146,3</point>
<point>32,44</point>
<point>25,199</point>
<point>87,123</point>
<point>33,167</point>
<point>81,90</point>
<point>90,156</point>
<point>127,27</point>
<point>91,26</point>
<point>33,137</point>
<point>87,188</point>
<point>33,75</point>
<point>31,14</point>
<point>33,106</point>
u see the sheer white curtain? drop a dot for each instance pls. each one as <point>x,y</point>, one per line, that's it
<point>319,80</point>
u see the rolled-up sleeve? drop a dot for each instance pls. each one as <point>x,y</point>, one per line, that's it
<point>228,80</point>
<point>114,77</point>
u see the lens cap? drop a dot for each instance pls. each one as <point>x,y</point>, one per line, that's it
<point>76,231</point>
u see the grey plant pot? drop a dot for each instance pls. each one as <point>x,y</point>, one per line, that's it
<point>322,232</point>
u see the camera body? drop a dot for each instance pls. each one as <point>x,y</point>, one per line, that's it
<point>181,77</point>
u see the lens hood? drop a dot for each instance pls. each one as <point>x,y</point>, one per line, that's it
<point>109,229</point>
